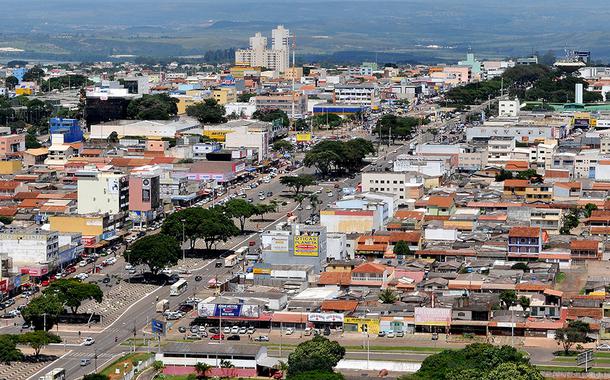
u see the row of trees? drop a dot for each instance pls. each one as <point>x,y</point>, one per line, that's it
<point>397,127</point>
<point>153,107</point>
<point>37,340</point>
<point>334,155</point>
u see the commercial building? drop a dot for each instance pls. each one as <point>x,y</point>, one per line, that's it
<point>105,103</point>
<point>366,95</point>
<point>286,102</point>
<point>102,192</point>
<point>298,245</point>
<point>154,129</point>
<point>404,185</point>
<point>96,230</point>
<point>32,250</point>
<point>144,194</point>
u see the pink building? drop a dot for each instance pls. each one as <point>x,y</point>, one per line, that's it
<point>144,194</point>
<point>157,145</point>
<point>10,145</point>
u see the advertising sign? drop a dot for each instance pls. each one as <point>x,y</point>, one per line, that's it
<point>250,311</point>
<point>306,245</point>
<point>206,309</point>
<point>303,137</point>
<point>325,317</point>
<point>274,243</point>
<point>228,310</point>
<point>432,316</point>
<point>261,271</point>
<point>364,324</point>
<point>113,186</point>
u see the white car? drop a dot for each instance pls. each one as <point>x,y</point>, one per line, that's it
<point>289,331</point>
<point>89,341</point>
<point>227,330</point>
<point>83,263</point>
<point>390,334</point>
<point>235,330</point>
<point>129,267</point>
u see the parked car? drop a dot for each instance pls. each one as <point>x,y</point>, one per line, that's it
<point>227,330</point>
<point>400,334</point>
<point>235,330</point>
<point>390,334</point>
<point>193,336</point>
<point>434,336</point>
<point>198,278</point>
<point>182,329</point>
<point>289,331</point>
<point>233,337</point>
<point>213,330</point>
<point>217,337</point>
<point>381,334</point>
<point>243,330</point>
<point>603,347</point>
<point>251,330</point>
<point>262,338</point>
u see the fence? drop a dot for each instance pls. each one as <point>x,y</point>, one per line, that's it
<point>131,374</point>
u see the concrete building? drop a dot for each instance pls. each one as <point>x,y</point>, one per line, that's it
<point>298,245</point>
<point>33,250</point>
<point>365,94</point>
<point>59,153</point>
<point>403,185</point>
<point>433,167</point>
<point>69,128</point>
<point>102,191</point>
<point>500,149</point>
<point>146,128</point>
<point>225,94</point>
<point>242,137</point>
<point>144,194</point>
<point>508,108</point>
<point>11,145</point>
<point>259,55</point>
<point>285,102</point>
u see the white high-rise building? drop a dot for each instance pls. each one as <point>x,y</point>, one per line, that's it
<point>259,55</point>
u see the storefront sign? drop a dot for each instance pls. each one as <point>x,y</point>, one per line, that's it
<point>325,317</point>
<point>306,245</point>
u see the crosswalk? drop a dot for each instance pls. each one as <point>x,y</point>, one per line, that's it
<point>89,355</point>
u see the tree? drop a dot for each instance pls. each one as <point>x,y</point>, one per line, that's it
<point>570,221</point>
<point>262,208</point>
<point>113,137</point>
<point>42,311</point>
<point>317,354</point>
<point>6,220</point>
<point>513,371</point>
<point>245,97</point>
<point>152,107</point>
<point>211,225</point>
<point>226,364</point>
<point>504,175</point>
<point>34,74</point>
<point>589,208</point>
<point>317,375</point>
<point>11,82</point>
<point>8,349</point>
<point>38,339</point>
<point>241,210</point>
<point>207,112</point>
<point>72,292</point>
<point>314,201</point>
<point>475,361</point>
<point>524,302</point>
<point>95,376</point>
<point>158,365</point>
<point>202,370</point>
<point>387,296</point>
<point>530,175</point>
<point>282,146</point>
<point>329,120</point>
<point>508,298</point>
<point>297,183</point>
<point>520,266</point>
<point>157,251</point>
<point>402,248</point>
<point>299,198</point>
<point>575,332</point>
<point>270,115</point>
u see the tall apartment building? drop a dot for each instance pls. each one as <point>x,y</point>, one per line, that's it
<point>259,55</point>
<point>102,192</point>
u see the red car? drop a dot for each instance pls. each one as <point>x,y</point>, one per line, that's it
<point>52,278</point>
<point>70,270</point>
<point>45,283</point>
<point>218,337</point>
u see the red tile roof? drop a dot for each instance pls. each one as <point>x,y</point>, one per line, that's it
<point>516,183</point>
<point>410,237</point>
<point>369,268</point>
<point>339,305</point>
<point>584,244</point>
<point>517,165</point>
<point>9,185</point>
<point>335,278</point>
<point>441,201</point>
<point>531,232</point>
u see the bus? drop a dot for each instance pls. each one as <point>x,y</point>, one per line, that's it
<point>231,261</point>
<point>55,374</point>
<point>178,288</point>
<point>242,251</point>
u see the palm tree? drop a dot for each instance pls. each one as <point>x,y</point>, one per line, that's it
<point>202,369</point>
<point>299,198</point>
<point>387,296</point>
<point>226,364</point>
<point>314,201</point>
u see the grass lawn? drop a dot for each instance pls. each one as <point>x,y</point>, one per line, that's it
<point>120,364</point>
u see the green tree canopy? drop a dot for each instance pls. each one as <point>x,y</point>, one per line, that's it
<point>156,251</point>
<point>153,107</point>
<point>34,74</point>
<point>317,354</point>
<point>38,340</point>
<point>207,112</point>
<point>283,146</point>
<point>202,370</point>
<point>475,361</point>
<point>316,375</point>
<point>589,208</point>
<point>575,332</point>
<point>388,296</point>
<point>11,82</point>
<point>241,210</point>
<point>327,120</point>
<point>270,115</point>
<point>72,292</point>
<point>245,97</point>
<point>8,349</point>
<point>338,155</point>
<point>298,183</point>
<point>400,127</point>
<point>211,225</point>
<point>508,298</point>
<point>46,303</point>
<point>402,248</point>
<point>513,371</point>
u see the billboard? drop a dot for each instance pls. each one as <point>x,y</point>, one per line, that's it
<point>227,310</point>
<point>432,316</point>
<point>372,326</point>
<point>157,327</point>
<point>325,317</point>
<point>306,245</point>
<point>303,137</point>
<point>274,243</point>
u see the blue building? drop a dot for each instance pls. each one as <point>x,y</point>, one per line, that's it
<point>70,128</point>
<point>18,73</point>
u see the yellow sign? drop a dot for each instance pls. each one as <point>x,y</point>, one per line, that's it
<point>261,271</point>
<point>368,324</point>
<point>303,137</point>
<point>305,245</point>
<point>216,135</point>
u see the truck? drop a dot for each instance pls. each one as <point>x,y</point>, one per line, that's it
<point>231,261</point>
<point>162,306</point>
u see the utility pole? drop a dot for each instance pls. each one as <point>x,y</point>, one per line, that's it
<point>183,250</point>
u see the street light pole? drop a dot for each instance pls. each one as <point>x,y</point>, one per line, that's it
<point>183,250</point>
